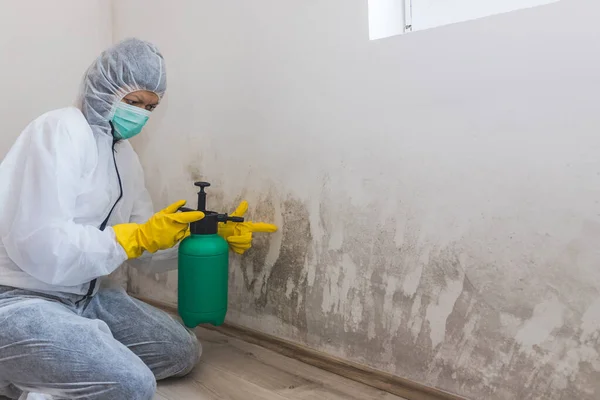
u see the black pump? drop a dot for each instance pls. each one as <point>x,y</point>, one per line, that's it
<point>209,225</point>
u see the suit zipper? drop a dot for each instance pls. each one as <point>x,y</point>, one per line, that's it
<point>105,222</point>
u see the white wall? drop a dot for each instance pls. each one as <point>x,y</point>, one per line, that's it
<point>45,47</point>
<point>438,192</point>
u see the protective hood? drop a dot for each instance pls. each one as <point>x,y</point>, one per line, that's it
<point>129,66</point>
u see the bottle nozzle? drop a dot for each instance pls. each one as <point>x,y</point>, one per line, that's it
<point>226,218</point>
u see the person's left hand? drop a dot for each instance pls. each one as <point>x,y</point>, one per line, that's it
<point>239,234</point>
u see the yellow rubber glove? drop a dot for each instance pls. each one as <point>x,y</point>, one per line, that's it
<point>162,231</point>
<point>239,234</point>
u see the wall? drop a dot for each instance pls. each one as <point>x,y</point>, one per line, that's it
<point>45,47</point>
<point>438,192</point>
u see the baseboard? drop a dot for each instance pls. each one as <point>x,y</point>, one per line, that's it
<point>380,380</point>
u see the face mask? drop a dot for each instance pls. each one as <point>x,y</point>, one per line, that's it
<point>128,120</point>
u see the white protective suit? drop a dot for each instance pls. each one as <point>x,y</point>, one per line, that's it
<point>65,182</point>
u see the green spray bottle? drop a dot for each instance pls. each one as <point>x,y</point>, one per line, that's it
<point>204,268</point>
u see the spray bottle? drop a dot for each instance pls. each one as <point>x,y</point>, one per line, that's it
<point>204,268</point>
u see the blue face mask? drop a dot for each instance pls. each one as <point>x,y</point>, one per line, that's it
<point>129,120</point>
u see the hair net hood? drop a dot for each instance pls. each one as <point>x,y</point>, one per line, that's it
<point>127,67</point>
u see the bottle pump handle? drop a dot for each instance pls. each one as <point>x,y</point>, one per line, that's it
<point>202,195</point>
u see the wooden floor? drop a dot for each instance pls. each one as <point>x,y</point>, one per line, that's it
<point>236,370</point>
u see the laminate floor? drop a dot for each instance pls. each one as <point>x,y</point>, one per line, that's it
<point>236,370</point>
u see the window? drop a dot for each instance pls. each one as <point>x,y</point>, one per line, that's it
<point>395,17</point>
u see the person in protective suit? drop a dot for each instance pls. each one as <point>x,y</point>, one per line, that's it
<point>73,208</point>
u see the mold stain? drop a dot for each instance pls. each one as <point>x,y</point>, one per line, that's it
<point>365,291</point>
<point>282,288</point>
<point>433,331</point>
<point>194,173</point>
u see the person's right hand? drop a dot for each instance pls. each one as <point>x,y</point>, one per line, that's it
<point>162,231</point>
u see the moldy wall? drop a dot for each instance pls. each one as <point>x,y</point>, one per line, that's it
<point>438,193</point>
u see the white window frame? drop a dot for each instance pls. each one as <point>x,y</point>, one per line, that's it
<point>389,18</point>
<point>408,27</point>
